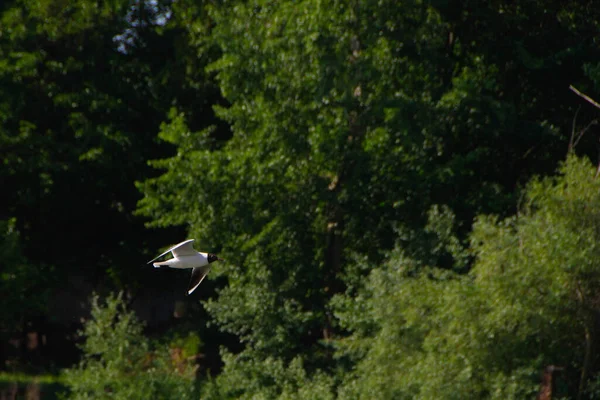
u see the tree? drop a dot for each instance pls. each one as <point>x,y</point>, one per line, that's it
<point>84,87</point>
<point>348,123</point>
<point>119,362</point>
<point>77,125</point>
<point>529,301</point>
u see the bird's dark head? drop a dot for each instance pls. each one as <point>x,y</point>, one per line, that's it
<point>213,257</point>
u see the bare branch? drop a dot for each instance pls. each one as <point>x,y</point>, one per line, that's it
<point>587,98</point>
<point>574,141</point>
<point>573,129</point>
<point>584,130</point>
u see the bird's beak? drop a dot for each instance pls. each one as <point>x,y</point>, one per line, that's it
<point>220,259</point>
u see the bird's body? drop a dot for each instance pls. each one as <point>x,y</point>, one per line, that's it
<point>183,262</point>
<point>185,257</point>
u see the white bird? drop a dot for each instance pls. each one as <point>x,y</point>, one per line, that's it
<point>184,256</point>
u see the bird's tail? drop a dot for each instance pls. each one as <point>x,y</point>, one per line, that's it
<point>161,264</point>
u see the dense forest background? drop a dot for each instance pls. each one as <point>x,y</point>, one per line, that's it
<point>406,194</point>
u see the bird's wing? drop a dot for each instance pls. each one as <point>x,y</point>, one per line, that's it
<point>198,274</point>
<point>185,249</point>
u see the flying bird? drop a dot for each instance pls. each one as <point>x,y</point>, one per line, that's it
<point>184,256</point>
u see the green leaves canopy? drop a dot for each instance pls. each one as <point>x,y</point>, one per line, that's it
<point>119,362</point>
<point>529,301</point>
<point>348,123</point>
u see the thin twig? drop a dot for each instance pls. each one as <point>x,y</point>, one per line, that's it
<point>592,102</point>
<point>583,131</point>
<point>573,128</point>
<point>587,98</point>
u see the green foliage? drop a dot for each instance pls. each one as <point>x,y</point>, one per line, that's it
<point>529,301</point>
<point>349,123</point>
<point>430,338</point>
<point>189,344</point>
<point>119,362</point>
<point>303,141</point>
<point>250,376</point>
<point>84,87</point>
<point>8,377</point>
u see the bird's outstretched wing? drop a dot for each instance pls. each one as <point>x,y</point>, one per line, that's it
<point>198,274</point>
<point>184,249</point>
<point>181,249</point>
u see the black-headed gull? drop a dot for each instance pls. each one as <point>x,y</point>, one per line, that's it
<point>184,256</point>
